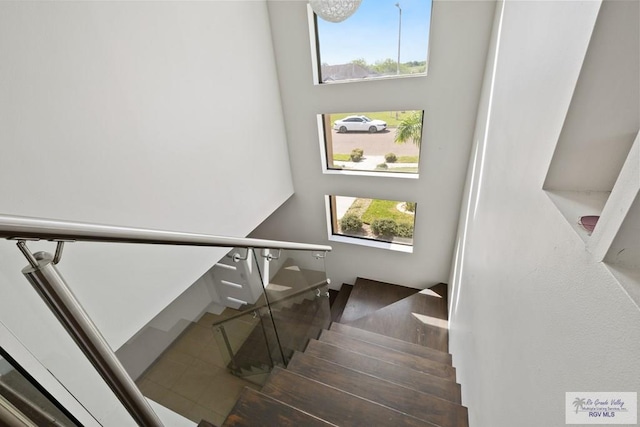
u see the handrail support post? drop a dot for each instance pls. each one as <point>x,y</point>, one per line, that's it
<point>52,288</point>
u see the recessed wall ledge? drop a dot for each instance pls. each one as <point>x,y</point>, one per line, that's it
<point>618,205</point>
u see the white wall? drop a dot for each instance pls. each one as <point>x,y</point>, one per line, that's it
<point>448,95</point>
<point>153,114</point>
<point>532,314</point>
<point>604,117</point>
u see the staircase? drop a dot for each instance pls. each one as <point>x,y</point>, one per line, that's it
<point>384,362</point>
<point>296,324</point>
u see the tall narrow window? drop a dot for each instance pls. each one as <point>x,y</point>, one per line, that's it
<point>380,39</point>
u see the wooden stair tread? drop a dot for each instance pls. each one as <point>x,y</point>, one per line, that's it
<point>394,320</point>
<point>333,294</point>
<point>426,407</point>
<point>368,296</point>
<point>332,405</point>
<point>441,289</point>
<point>396,344</point>
<point>407,377</point>
<point>339,304</point>
<point>389,355</point>
<point>255,409</point>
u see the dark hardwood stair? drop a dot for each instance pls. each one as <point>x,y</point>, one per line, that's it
<point>368,296</point>
<point>340,302</point>
<point>332,404</point>
<point>375,375</point>
<point>444,388</point>
<point>424,406</point>
<point>396,344</point>
<point>411,313</point>
<point>254,407</point>
<point>395,357</point>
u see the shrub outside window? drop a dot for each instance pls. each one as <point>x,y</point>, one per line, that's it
<point>379,220</point>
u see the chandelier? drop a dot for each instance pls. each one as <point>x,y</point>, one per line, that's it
<point>334,10</point>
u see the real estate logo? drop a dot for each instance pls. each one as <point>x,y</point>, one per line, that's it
<point>601,408</point>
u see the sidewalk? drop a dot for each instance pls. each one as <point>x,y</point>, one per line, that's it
<point>370,162</point>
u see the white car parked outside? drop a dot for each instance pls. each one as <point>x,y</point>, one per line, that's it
<point>359,124</point>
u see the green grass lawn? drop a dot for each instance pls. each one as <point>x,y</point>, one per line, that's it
<point>407,159</point>
<point>341,157</point>
<point>401,159</point>
<point>385,209</point>
<point>387,116</point>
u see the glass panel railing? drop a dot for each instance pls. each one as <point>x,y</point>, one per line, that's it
<point>248,344</point>
<point>300,319</point>
<point>223,333</point>
<point>197,355</point>
<point>297,294</point>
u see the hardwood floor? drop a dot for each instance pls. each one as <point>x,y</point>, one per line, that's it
<point>340,302</point>
<point>420,319</point>
<point>330,403</point>
<point>424,406</point>
<point>396,344</point>
<point>408,377</point>
<point>368,296</point>
<point>254,408</point>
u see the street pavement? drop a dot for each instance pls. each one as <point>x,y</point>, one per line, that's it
<point>370,162</point>
<point>373,144</point>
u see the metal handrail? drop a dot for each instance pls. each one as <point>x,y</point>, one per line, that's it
<point>52,288</point>
<point>28,228</point>
<point>254,307</point>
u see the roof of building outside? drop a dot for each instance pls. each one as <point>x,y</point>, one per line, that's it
<point>346,72</point>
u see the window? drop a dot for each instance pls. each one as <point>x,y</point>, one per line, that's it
<point>373,220</point>
<point>380,39</point>
<point>383,141</point>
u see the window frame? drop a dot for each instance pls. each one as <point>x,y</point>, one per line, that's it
<point>332,225</point>
<point>326,152</point>
<point>316,64</point>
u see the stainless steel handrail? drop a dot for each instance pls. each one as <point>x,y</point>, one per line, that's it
<point>28,228</point>
<point>54,291</point>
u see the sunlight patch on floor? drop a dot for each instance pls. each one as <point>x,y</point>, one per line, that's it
<point>430,293</point>
<point>432,321</point>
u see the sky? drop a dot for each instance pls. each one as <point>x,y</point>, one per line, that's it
<point>372,33</point>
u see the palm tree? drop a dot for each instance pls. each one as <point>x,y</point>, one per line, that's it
<point>578,403</point>
<point>410,129</point>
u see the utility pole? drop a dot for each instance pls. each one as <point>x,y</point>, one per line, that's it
<point>399,33</point>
